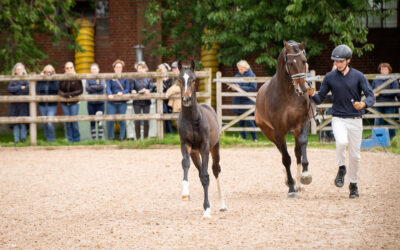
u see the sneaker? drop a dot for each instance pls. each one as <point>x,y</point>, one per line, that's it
<point>339,180</point>
<point>353,191</point>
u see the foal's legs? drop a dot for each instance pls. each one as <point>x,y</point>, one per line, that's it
<point>216,170</point>
<point>185,165</point>
<point>205,179</point>
<point>281,145</point>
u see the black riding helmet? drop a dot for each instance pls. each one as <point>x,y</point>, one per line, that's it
<point>341,52</point>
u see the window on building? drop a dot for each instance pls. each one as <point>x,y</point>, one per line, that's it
<point>102,21</point>
<point>383,14</point>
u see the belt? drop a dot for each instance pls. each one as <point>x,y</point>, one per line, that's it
<point>356,117</point>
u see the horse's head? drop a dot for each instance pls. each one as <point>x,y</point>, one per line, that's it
<point>187,82</point>
<point>295,63</point>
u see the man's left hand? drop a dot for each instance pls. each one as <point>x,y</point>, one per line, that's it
<point>359,105</point>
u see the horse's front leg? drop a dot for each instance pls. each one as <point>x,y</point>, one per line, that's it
<point>297,151</point>
<point>286,160</point>
<point>205,179</point>
<point>185,149</point>
<point>306,177</point>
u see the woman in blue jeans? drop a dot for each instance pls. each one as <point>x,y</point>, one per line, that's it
<point>245,71</point>
<point>117,87</point>
<point>69,89</point>
<point>48,108</point>
<point>19,108</point>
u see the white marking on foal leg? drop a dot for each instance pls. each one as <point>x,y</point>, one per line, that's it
<point>207,214</point>
<point>185,190</point>
<point>222,206</point>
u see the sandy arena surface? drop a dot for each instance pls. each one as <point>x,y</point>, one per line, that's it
<point>122,199</point>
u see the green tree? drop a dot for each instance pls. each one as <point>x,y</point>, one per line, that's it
<point>256,28</point>
<point>20,20</point>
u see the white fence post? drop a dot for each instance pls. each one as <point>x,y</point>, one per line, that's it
<point>32,113</point>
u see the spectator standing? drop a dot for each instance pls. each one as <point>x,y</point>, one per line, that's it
<point>117,87</point>
<point>95,87</point>
<point>167,83</point>
<point>48,108</point>
<point>142,86</point>
<point>175,89</point>
<point>385,69</point>
<point>244,70</point>
<point>69,89</point>
<point>19,108</point>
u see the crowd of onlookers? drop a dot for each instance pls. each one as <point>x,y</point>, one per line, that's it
<point>111,87</point>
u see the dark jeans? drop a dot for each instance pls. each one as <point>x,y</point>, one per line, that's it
<point>380,121</point>
<point>145,109</point>
<point>168,123</point>
<point>93,108</point>
<point>252,124</point>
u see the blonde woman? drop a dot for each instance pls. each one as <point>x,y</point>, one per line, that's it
<point>19,108</point>
<point>48,108</point>
<point>244,70</point>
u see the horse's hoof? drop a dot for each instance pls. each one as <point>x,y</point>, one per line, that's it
<point>223,209</point>
<point>185,197</point>
<point>292,195</point>
<point>207,214</point>
<point>306,178</point>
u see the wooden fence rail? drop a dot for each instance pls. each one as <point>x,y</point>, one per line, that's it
<point>32,98</point>
<point>228,121</point>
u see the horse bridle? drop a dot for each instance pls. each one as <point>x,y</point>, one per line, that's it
<point>295,76</point>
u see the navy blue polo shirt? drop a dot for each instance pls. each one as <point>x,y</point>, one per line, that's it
<point>345,88</point>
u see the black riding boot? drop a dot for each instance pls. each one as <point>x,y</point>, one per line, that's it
<point>137,131</point>
<point>146,130</point>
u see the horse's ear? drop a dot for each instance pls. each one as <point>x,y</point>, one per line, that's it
<point>302,45</point>
<point>192,65</point>
<point>179,65</point>
<point>287,46</point>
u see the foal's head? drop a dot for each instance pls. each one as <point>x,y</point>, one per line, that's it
<point>187,82</point>
<point>295,64</point>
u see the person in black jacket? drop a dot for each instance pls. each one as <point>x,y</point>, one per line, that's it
<point>167,83</point>
<point>95,87</point>
<point>19,108</point>
<point>346,84</point>
<point>69,89</point>
<point>48,108</point>
<point>142,86</point>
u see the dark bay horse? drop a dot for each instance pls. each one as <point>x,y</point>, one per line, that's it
<point>283,106</point>
<point>199,135</point>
